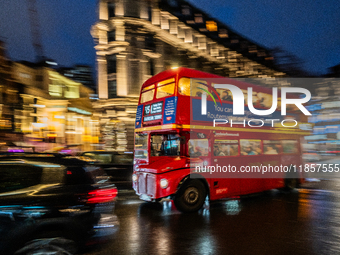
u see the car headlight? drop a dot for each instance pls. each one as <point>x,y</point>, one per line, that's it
<point>134,177</point>
<point>164,183</point>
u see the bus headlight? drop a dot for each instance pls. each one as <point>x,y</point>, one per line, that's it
<point>134,177</point>
<point>164,183</point>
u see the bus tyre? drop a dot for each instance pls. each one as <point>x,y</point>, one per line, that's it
<point>190,197</point>
<point>291,183</point>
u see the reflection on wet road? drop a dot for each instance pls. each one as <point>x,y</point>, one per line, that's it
<point>306,221</point>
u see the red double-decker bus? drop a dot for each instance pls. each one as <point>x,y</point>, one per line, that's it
<point>175,142</point>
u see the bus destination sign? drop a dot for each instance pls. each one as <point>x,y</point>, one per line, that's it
<point>151,111</point>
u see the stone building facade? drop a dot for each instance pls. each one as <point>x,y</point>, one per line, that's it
<point>54,110</point>
<point>138,39</point>
<point>10,100</point>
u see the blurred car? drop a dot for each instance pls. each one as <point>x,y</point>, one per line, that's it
<point>49,208</point>
<point>118,165</point>
<point>70,149</point>
<point>12,147</point>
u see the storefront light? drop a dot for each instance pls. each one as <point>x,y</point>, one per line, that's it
<point>38,105</point>
<point>39,125</point>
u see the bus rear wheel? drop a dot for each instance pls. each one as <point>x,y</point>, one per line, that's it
<point>190,197</point>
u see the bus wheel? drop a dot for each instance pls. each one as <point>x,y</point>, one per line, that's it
<point>291,183</point>
<point>190,197</point>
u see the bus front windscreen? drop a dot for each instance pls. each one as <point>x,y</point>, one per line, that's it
<point>165,145</point>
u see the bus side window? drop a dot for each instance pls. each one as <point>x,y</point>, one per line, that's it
<point>250,147</point>
<point>226,148</point>
<point>271,147</point>
<point>198,147</point>
<point>191,87</point>
<point>290,146</point>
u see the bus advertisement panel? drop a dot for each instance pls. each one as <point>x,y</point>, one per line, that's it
<point>245,113</point>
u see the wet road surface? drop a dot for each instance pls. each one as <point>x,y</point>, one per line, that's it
<point>306,221</point>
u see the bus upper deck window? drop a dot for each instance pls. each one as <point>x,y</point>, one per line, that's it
<point>191,87</point>
<point>197,87</point>
<point>184,86</point>
<point>147,94</point>
<point>165,88</point>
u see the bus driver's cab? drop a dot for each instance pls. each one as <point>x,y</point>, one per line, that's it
<point>165,145</point>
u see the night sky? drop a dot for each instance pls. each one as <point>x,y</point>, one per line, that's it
<point>309,29</point>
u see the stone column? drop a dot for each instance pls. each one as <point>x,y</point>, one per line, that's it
<point>102,78</point>
<point>122,74</point>
<point>103,13</point>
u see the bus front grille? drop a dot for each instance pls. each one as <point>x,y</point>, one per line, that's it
<point>146,184</point>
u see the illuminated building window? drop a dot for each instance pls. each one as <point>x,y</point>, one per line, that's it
<point>198,18</point>
<point>72,92</point>
<point>223,33</point>
<point>111,9</point>
<point>211,26</point>
<point>55,88</point>
<point>111,36</point>
<point>252,49</point>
